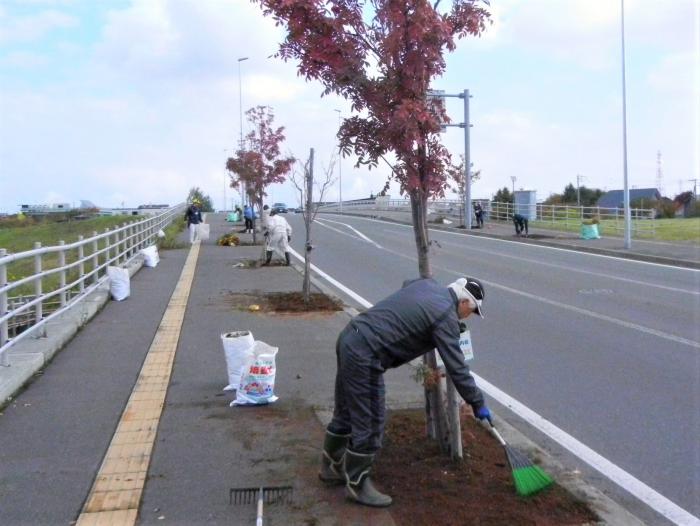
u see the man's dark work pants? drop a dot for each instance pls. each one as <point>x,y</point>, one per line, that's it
<point>359,393</point>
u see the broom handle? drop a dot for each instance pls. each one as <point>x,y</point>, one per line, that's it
<point>498,436</point>
<point>259,519</point>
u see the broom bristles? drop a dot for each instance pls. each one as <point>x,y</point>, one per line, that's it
<point>528,478</point>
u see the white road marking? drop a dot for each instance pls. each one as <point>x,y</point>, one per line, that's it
<point>625,480</point>
<point>360,234</point>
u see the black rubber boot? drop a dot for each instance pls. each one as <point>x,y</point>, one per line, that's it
<point>358,485</point>
<point>287,258</point>
<point>332,459</point>
<point>268,258</point>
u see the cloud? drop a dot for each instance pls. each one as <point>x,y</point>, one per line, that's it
<point>23,29</point>
<point>23,60</point>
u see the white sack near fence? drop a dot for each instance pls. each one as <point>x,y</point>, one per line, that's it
<point>238,347</point>
<point>119,283</point>
<point>160,233</point>
<point>150,256</point>
<point>203,231</point>
<point>258,378</point>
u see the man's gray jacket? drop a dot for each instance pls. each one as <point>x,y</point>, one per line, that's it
<point>418,318</point>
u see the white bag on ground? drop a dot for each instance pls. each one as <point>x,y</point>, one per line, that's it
<point>203,231</point>
<point>238,348</point>
<point>258,379</point>
<point>160,233</point>
<point>119,283</point>
<point>150,256</point>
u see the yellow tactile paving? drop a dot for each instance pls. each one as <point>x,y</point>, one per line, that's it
<point>116,492</point>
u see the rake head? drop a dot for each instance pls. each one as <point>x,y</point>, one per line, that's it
<point>529,479</point>
<point>270,495</point>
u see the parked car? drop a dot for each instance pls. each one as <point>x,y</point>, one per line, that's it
<point>279,208</point>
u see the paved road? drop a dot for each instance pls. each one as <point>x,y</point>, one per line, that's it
<point>606,349</point>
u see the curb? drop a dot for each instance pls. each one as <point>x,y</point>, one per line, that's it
<point>31,355</point>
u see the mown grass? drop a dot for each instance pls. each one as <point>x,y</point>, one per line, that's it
<point>19,236</point>
<point>172,233</point>
<point>678,229</point>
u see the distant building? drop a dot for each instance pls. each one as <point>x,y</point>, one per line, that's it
<point>42,209</point>
<point>141,210</point>
<point>616,198</point>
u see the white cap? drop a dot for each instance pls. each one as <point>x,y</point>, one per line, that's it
<point>469,289</point>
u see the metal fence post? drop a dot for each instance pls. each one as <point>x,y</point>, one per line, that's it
<point>81,266</point>
<point>38,309</point>
<point>3,308</point>
<point>108,250</point>
<point>62,273</point>
<point>95,258</point>
<point>123,243</point>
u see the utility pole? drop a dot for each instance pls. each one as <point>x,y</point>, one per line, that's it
<point>578,189</point>
<point>240,115</point>
<point>439,94</point>
<point>695,187</point>
<point>626,191</point>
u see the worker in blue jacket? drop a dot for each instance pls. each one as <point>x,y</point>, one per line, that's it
<point>520,223</point>
<point>423,315</point>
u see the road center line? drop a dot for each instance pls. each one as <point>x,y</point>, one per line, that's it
<point>616,474</point>
<point>116,492</point>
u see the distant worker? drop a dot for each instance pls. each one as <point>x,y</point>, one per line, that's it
<point>278,235</point>
<point>479,213</point>
<point>193,216</point>
<point>248,216</point>
<point>520,223</point>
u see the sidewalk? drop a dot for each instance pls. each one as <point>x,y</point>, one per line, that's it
<point>56,431</point>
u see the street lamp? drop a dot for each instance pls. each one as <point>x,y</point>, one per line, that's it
<point>626,192</point>
<point>240,113</point>
<point>225,181</point>
<point>340,171</point>
<point>513,179</point>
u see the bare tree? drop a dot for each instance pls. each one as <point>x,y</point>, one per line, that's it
<point>305,184</point>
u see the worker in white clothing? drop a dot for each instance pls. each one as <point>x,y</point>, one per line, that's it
<point>278,235</point>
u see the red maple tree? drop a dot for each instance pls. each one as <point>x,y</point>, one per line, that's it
<point>382,55</point>
<point>259,164</point>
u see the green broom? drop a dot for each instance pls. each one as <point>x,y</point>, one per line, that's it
<point>528,478</point>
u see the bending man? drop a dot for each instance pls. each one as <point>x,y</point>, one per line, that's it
<point>418,318</point>
<point>520,223</point>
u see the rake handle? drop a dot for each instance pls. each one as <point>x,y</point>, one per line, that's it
<point>259,519</point>
<point>495,433</point>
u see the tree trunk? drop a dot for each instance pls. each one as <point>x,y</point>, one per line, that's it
<point>436,414</point>
<point>309,180</point>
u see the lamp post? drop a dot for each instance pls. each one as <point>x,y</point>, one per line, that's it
<point>626,192</point>
<point>513,179</point>
<point>225,181</point>
<point>240,113</point>
<point>340,171</point>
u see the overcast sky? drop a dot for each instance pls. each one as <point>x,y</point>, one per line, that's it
<point>136,101</point>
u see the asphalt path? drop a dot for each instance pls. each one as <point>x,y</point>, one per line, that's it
<point>606,349</point>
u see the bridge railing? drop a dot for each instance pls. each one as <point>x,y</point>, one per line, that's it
<point>78,269</point>
<point>611,221</point>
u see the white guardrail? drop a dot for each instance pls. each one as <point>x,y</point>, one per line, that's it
<point>23,315</point>
<point>552,217</point>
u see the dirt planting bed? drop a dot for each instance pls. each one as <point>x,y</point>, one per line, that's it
<point>429,488</point>
<point>284,302</point>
